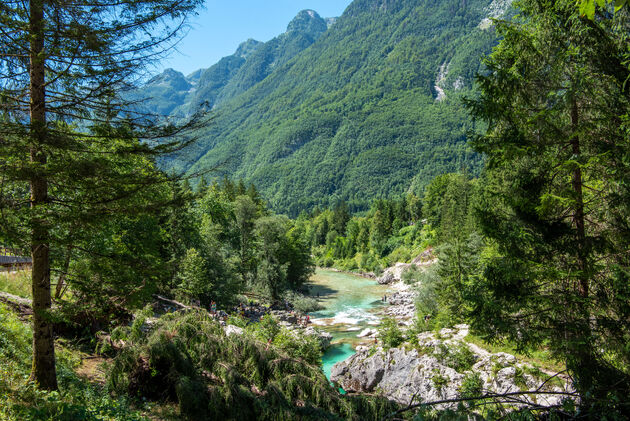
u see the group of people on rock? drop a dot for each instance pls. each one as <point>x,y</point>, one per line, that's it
<point>252,311</point>
<point>255,311</point>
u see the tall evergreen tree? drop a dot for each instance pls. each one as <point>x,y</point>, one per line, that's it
<point>556,201</point>
<point>64,131</point>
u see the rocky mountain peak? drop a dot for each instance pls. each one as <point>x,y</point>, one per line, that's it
<point>307,21</point>
<point>248,47</point>
<point>171,78</point>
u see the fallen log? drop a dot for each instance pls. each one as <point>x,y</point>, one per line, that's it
<point>173,303</point>
<point>22,306</point>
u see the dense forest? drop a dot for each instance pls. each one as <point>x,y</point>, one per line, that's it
<point>518,201</point>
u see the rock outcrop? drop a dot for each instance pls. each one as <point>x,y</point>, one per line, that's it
<point>393,274</point>
<point>441,366</point>
<point>324,338</point>
<point>233,330</point>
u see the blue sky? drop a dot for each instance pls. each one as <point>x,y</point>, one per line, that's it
<point>223,24</point>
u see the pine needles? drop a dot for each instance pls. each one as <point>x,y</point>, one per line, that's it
<point>189,360</point>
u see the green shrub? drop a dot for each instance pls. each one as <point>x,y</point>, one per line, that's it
<point>348,264</point>
<point>438,380</point>
<point>369,262</point>
<point>472,385</point>
<point>412,275</point>
<point>519,378</point>
<point>427,291</point>
<point>399,254</point>
<point>459,357</point>
<point>390,334</point>
<point>266,330</point>
<point>214,376</point>
<point>305,347</point>
<point>302,303</point>
<point>236,320</point>
<point>76,399</point>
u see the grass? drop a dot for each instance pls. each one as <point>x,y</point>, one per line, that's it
<point>16,283</point>
<point>541,357</point>
<point>77,398</point>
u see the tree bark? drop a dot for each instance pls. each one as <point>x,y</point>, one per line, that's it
<point>43,371</point>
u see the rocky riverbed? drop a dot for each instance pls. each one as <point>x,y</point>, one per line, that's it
<point>433,366</point>
<point>401,303</point>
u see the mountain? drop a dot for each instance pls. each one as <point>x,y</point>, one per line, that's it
<point>372,108</point>
<point>172,94</point>
<point>301,32</point>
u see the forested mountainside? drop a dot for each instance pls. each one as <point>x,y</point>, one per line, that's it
<point>173,94</point>
<point>371,109</point>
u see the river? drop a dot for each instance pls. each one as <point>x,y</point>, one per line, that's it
<point>350,304</point>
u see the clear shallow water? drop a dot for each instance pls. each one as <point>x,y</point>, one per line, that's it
<point>350,303</point>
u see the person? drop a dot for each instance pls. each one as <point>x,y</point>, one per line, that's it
<point>308,319</point>
<point>213,307</point>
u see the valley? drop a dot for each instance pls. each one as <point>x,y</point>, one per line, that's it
<point>405,210</point>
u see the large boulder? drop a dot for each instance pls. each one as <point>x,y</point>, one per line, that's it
<point>386,278</point>
<point>398,374</point>
<point>367,333</point>
<point>285,316</point>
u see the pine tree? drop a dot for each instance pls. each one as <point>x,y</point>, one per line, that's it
<point>556,102</point>
<point>64,129</point>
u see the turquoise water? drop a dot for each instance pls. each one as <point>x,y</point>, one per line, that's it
<point>349,305</point>
<point>335,354</point>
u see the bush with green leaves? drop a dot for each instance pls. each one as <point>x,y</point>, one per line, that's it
<point>412,275</point>
<point>427,291</point>
<point>301,302</point>
<point>390,334</point>
<point>472,385</point>
<point>439,381</point>
<point>458,357</point>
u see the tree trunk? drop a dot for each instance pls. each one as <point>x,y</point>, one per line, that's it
<point>585,364</point>
<point>59,290</point>
<point>578,217</point>
<point>43,371</point>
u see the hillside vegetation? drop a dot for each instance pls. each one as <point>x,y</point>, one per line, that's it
<point>358,115</point>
